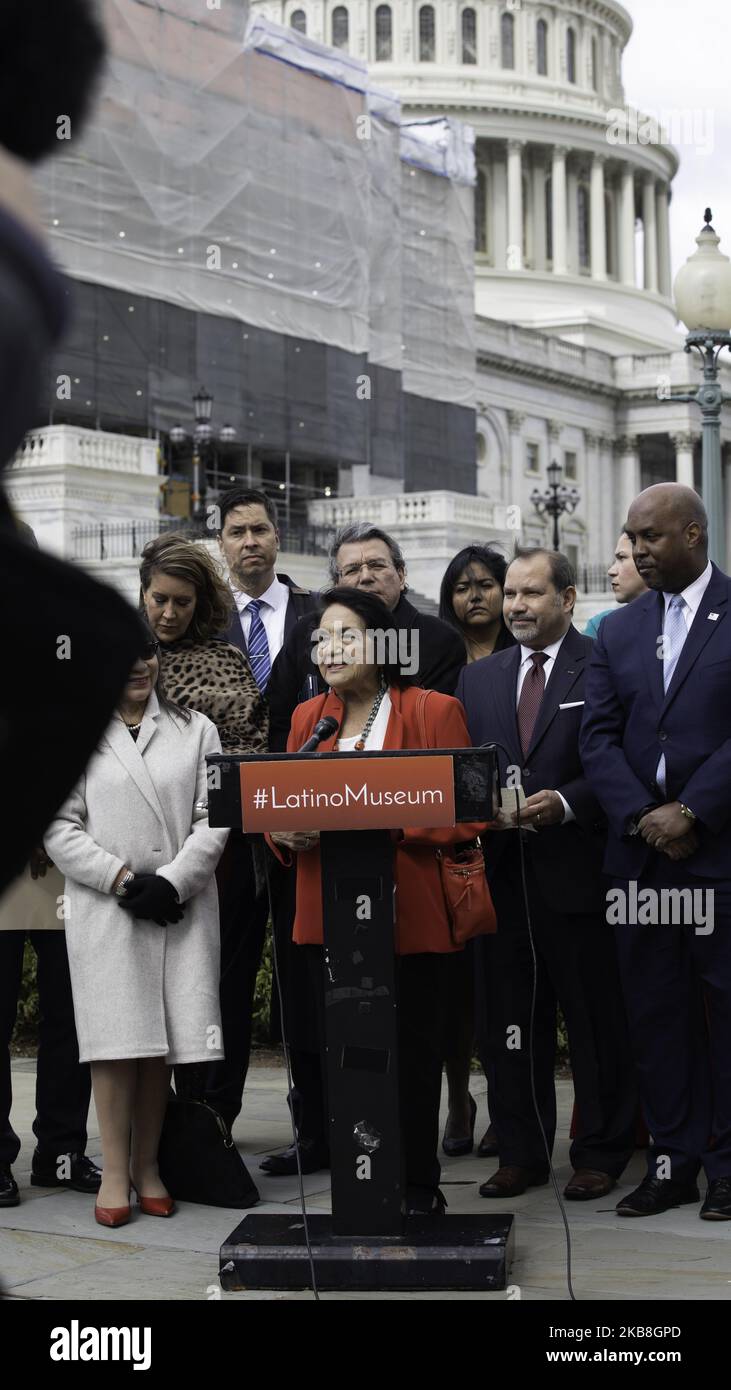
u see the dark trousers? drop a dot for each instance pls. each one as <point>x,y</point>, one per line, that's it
<point>576,966</point>
<point>422,984</point>
<point>63,1085</point>
<point>244,913</point>
<point>677,984</point>
<point>300,1020</point>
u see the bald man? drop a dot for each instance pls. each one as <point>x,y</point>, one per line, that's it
<point>656,749</point>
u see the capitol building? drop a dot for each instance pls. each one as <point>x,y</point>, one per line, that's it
<point>554,340</point>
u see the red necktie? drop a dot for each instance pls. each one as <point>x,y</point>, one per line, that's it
<point>529,703</point>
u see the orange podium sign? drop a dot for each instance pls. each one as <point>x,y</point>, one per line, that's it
<point>348,793</point>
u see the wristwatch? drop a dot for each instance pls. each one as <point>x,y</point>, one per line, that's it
<point>633,826</point>
<point>686,811</point>
<point>121,888</point>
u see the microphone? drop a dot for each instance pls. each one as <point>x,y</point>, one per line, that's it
<point>324,728</point>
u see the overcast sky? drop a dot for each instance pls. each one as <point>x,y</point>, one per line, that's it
<point>679,60</point>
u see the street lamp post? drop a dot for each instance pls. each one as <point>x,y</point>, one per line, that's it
<point>202,437</point>
<point>556,499</point>
<point>703,301</point>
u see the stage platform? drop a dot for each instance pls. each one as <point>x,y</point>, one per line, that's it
<point>51,1248</point>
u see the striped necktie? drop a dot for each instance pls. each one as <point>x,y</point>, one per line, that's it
<point>674,634</point>
<point>258,646</point>
<point>531,695</point>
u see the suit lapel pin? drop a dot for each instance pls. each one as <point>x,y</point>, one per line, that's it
<point>712,617</point>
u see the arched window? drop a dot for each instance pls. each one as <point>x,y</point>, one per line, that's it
<point>481,212</point>
<point>469,36</point>
<point>571,54</point>
<point>507,41</point>
<point>384,34</point>
<point>427,34</point>
<point>340,27</point>
<point>595,65</point>
<point>298,21</point>
<point>542,48</point>
<point>583,228</point>
<point>549,218</point>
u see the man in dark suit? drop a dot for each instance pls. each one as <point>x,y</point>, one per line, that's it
<point>528,700</point>
<point>656,749</point>
<point>267,608</point>
<point>365,557</point>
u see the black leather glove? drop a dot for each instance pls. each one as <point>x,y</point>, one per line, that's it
<point>153,898</point>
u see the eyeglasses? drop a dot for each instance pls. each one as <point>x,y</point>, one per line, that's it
<point>373,567</point>
<point>149,649</point>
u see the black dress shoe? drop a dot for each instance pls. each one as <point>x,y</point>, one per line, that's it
<point>313,1157</point>
<point>424,1201</point>
<point>717,1206</point>
<point>655,1195</point>
<point>84,1176</point>
<point>488,1146</point>
<point>9,1194</point>
<point>512,1181</point>
<point>457,1148</point>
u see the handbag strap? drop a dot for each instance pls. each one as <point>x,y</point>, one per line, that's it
<point>421,699</point>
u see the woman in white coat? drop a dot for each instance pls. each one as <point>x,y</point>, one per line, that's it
<point>142,931</point>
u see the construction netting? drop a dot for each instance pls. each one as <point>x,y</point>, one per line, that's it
<point>241,172</point>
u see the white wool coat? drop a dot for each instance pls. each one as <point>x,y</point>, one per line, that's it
<point>141,990</point>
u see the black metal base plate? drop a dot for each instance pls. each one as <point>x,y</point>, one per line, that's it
<point>447,1252</point>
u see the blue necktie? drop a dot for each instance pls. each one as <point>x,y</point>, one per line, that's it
<point>674,635</point>
<point>259,659</point>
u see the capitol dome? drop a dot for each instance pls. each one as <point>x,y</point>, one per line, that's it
<point>572,193</point>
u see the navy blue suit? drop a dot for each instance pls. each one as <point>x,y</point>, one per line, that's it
<point>575,951</point>
<point>676,976</point>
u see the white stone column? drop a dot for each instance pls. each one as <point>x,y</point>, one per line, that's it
<point>607,482</point>
<point>539,212</point>
<point>572,220</point>
<point>515,204</point>
<point>649,222</point>
<point>683,445</point>
<point>628,481</point>
<point>627,228</point>
<point>662,213</point>
<point>558,210</point>
<point>598,240</point>
<point>499,211</point>
<point>516,420</point>
<point>592,497</point>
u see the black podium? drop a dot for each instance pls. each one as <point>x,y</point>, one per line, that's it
<point>355,800</point>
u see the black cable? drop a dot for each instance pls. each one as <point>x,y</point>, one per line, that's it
<point>531,1056</point>
<point>285,1045</point>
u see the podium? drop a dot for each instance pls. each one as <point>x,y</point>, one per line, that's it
<point>355,801</point>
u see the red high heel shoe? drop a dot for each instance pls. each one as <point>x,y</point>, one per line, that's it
<point>155,1206</point>
<point>112,1216</point>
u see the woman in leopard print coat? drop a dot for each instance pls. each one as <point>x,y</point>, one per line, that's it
<point>188,605</point>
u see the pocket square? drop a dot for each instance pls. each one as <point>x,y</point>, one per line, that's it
<point>572,704</point>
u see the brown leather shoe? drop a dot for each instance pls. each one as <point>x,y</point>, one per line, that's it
<point>586,1184</point>
<point>512,1182</point>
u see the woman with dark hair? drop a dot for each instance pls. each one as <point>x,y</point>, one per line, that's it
<point>471,601</point>
<point>189,606</point>
<point>140,903</point>
<point>377,707</point>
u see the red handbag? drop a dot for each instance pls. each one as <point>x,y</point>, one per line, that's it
<point>467,897</point>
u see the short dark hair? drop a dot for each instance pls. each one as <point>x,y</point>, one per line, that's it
<point>377,618</point>
<point>245,497</point>
<point>363,531</point>
<point>493,560</point>
<point>51,54</point>
<point>563,574</point>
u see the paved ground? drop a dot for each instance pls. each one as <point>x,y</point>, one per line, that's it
<point>51,1248</point>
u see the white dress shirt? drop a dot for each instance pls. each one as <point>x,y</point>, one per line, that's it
<point>692,595</point>
<point>272,612</point>
<point>525,663</point>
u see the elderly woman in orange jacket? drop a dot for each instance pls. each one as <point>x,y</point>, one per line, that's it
<point>376,707</point>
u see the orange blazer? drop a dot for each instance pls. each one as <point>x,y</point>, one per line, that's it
<point>421,917</point>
